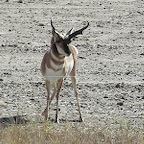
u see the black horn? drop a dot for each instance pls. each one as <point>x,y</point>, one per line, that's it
<point>52,24</point>
<point>53,29</point>
<point>78,32</point>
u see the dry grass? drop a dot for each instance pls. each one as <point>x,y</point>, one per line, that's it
<point>47,134</point>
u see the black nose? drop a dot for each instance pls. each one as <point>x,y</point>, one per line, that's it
<point>68,52</point>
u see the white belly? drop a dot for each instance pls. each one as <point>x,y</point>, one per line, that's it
<point>53,76</point>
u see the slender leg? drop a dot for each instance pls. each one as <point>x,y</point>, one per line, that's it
<point>59,85</point>
<point>54,92</point>
<point>46,111</point>
<point>77,97</point>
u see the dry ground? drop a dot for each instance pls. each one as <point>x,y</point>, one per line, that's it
<point>111,59</point>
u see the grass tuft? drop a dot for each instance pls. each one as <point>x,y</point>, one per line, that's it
<point>46,133</point>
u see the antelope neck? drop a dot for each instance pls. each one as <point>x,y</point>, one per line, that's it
<point>56,57</point>
<point>57,54</point>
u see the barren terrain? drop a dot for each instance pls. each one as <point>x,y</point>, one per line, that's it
<point>111,60</point>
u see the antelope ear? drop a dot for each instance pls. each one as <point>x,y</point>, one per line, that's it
<point>70,32</point>
<point>56,36</point>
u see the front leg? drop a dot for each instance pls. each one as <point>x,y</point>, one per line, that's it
<point>46,111</point>
<point>59,85</point>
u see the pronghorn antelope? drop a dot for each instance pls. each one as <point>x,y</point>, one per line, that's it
<point>59,61</point>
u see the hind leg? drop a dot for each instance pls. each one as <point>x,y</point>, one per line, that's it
<point>46,111</point>
<point>73,79</point>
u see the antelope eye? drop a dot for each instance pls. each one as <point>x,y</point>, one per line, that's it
<point>59,41</point>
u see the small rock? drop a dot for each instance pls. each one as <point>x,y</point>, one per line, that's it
<point>1,79</point>
<point>127,73</point>
<point>117,85</point>
<point>32,99</point>
<point>131,32</point>
<point>98,25</point>
<point>120,103</point>
<point>142,54</point>
<point>6,73</point>
<point>12,45</point>
<point>140,31</point>
<point>99,45</point>
<point>41,24</point>
<point>105,97</point>
<point>20,1</point>
<point>3,104</point>
<point>38,84</point>
<point>81,57</point>
<point>3,45</point>
<point>122,98</point>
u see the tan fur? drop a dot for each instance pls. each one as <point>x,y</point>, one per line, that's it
<point>54,68</point>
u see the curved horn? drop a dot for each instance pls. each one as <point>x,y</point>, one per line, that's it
<point>53,29</point>
<point>78,31</point>
<point>69,32</point>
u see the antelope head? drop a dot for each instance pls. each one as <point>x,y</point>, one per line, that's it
<point>62,41</point>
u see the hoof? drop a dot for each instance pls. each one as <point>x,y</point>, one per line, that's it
<point>45,115</point>
<point>44,112</point>
<point>57,121</point>
<point>80,119</point>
